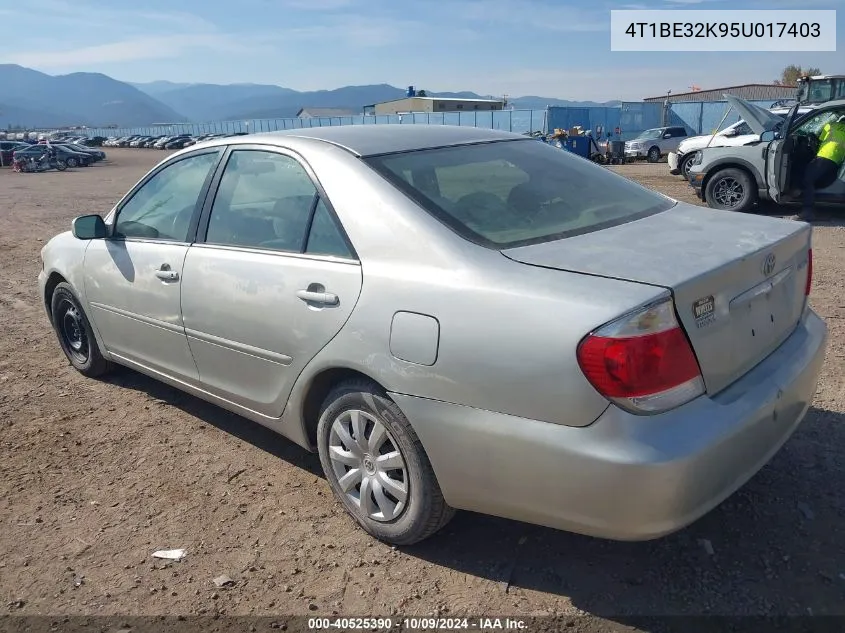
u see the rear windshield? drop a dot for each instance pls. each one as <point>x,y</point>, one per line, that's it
<point>514,193</point>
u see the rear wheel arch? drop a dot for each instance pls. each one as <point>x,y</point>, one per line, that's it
<point>320,386</point>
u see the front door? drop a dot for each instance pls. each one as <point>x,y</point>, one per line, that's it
<point>133,278</point>
<point>271,285</point>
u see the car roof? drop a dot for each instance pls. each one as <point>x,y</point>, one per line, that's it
<point>372,140</point>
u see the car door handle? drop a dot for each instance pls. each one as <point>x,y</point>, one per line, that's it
<point>167,275</point>
<point>325,298</point>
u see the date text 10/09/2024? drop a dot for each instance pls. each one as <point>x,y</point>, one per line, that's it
<point>418,624</point>
<point>724,29</point>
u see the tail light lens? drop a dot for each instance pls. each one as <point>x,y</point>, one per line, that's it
<point>642,361</point>
<point>809,273</point>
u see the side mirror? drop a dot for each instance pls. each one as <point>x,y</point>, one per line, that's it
<point>89,227</point>
<point>767,136</point>
<point>667,136</point>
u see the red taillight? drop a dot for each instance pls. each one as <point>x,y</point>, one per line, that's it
<point>638,366</point>
<point>809,273</point>
<point>642,361</point>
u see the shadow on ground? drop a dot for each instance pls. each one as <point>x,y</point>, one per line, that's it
<point>743,558</point>
<point>255,434</point>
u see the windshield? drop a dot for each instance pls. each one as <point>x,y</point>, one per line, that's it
<point>650,134</point>
<point>514,193</point>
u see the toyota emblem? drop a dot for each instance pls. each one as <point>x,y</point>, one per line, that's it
<point>769,265</point>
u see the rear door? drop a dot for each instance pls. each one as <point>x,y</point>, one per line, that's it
<point>271,280</point>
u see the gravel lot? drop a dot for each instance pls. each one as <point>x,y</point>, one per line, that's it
<point>97,475</point>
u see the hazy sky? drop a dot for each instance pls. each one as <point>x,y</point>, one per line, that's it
<point>516,47</point>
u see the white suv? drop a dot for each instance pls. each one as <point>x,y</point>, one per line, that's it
<point>732,136</point>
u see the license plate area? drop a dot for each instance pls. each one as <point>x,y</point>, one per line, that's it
<point>762,318</point>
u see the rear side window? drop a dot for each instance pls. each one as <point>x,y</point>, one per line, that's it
<point>513,193</point>
<point>267,200</point>
<point>325,238</point>
<point>264,201</point>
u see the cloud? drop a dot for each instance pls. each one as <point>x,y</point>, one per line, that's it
<point>605,84</point>
<point>532,14</point>
<point>155,47</point>
<point>68,14</point>
<point>364,32</point>
<point>316,5</point>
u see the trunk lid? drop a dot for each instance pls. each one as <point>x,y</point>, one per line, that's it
<point>738,280</point>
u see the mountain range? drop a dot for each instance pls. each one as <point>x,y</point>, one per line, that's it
<point>30,98</point>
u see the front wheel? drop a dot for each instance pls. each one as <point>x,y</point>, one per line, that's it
<point>61,165</point>
<point>653,155</point>
<point>731,190</point>
<point>686,165</point>
<point>72,162</point>
<point>75,334</point>
<point>376,466</point>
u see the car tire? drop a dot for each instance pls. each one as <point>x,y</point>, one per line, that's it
<point>72,162</point>
<point>685,165</point>
<point>730,189</point>
<point>76,337</point>
<point>359,406</point>
<point>653,154</point>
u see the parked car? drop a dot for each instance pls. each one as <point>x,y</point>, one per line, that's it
<point>97,154</point>
<point>734,135</point>
<point>655,143</point>
<point>736,178</point>
<point>81,156</point>
<point>71,158</point>
<point>455,317</point>
<point>126,141</point>
<point>162,144</point>
<point>178,142</point>
<point>96,141</point>
<point>7,149</point>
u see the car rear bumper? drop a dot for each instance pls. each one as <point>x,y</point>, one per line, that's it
<point>624,477</point>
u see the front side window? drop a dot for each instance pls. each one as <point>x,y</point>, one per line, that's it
<point>814,124</point>
<point>162,208</point>
<point>264,200</point>
<point>514,193</point>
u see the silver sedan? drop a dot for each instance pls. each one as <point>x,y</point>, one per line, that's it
<point>455,318</point>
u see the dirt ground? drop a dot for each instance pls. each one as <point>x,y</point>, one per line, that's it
<point>95,476</point>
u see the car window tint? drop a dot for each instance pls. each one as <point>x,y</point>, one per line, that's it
<point>163,206</point>
<point>264,201</point>
<point>512,193</point>
<point>325,237</point>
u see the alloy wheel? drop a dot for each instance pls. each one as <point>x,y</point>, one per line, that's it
<point>729,192</point>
